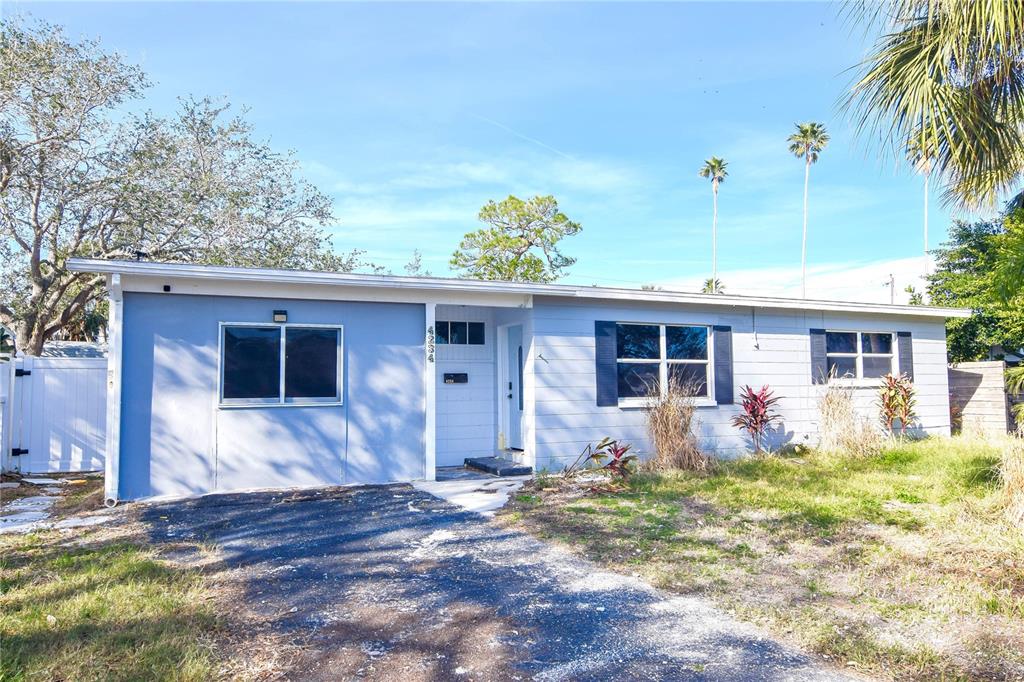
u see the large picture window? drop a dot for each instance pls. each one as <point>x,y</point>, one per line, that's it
<point>858,355</point>
<point>651,357</point>
<point>280,364</point>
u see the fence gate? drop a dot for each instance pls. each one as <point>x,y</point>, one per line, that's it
<point>57,414</point>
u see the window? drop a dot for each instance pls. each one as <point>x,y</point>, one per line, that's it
<point>459,333</point>
<point>280,364</point>
<point>653,356</point>
<point>858,355</point>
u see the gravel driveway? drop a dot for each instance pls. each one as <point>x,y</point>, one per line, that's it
<point>388,582</point>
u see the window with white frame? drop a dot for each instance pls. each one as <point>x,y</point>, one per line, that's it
<point>280,364</point>
<point>651,357</point>
<point>858,355</point>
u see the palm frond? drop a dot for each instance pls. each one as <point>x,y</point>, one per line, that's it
<point>809,140</point>
<point>951,76</point>
<point>714,169</point>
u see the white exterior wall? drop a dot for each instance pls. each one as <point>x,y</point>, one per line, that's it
<point>567,417</point>
<point>468,422</point>
<point>466,413</point>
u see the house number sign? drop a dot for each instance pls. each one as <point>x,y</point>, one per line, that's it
<point>430,343</point>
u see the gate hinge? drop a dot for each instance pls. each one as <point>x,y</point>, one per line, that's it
<point>16,452</point>
<point>22,372</point>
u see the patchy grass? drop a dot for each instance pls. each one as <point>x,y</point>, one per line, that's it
<point>899,565</point>
<point>100,610</point>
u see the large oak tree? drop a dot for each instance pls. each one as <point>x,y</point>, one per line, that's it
<point>82,173</point>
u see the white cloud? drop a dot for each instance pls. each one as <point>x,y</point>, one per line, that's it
<point>861,282</point>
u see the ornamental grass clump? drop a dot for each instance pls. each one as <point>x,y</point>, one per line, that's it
<point>842,431</point>
<point>1011,476</point>
<point>670,421</point>
<point>758,415</point>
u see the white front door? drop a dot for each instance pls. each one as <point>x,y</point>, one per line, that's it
<point>514,386</point>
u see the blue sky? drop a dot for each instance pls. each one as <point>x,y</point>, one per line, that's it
<point>413,115</point>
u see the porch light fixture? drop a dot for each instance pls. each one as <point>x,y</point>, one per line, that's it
<point>280,316</point>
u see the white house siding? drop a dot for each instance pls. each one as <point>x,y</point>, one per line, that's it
<point>567,417</point>
<point>466,413</point>
<point>524,317</point>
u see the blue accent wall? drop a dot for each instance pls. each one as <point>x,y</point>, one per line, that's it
<point>176,440</point>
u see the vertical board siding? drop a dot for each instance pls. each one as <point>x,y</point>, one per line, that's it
<point>769,347</point>
<point>59,414</point>
<point>466,413</point>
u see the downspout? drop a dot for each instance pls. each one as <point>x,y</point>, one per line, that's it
<point>113,440</point>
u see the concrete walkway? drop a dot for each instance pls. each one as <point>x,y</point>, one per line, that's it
<point>382,582</point>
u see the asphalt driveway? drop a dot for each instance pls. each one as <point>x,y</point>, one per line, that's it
<point>387,582</point>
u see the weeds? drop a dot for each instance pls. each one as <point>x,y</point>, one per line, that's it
<point>842,430</point>
<point>1011,477</point>
<point>898,564</point>
<point>670,420</point>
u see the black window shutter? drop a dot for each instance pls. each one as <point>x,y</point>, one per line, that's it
<point>905,346</point>
<point>819,363</point>
<point>723,365</point>
<point>606,371</point>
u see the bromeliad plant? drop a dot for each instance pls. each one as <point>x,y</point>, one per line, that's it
<point>896,403</point>
<point>757,416</point>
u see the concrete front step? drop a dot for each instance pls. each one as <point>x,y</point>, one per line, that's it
<point>498,466</point>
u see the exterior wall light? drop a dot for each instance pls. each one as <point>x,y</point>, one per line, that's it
<point>280,316</point>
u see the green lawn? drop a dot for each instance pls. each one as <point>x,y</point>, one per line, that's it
<point>107,610</point>
<point>898,565</point>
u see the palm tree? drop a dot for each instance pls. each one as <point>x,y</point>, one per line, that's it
<point>714,169</point>
<point>921,159</point>
<point>807,143</point>
<point>712,286</point>
<point>951,73</point>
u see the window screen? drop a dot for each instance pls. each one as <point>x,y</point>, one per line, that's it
<point>252,363</point>
<point>311,363</point>
<point>253,372</point>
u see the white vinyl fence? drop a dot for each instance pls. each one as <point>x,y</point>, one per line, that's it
<point>54,414</point>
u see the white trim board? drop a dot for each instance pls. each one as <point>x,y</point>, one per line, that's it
<point>205,279</point>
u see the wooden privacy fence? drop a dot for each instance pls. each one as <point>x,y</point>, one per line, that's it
<point>54,414</point>
<point>977,397</point>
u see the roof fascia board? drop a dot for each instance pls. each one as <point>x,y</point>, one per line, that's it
<point>251,289</point>
<point>429,289</point>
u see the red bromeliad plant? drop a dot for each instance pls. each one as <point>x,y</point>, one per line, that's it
<point>757,416</point>
<point>607,454</point>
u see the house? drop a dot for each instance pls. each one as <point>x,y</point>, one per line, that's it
<point>234,378</point>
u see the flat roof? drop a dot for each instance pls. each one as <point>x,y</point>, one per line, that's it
<point>452,284</point>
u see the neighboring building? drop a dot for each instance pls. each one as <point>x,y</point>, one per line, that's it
<point>231,378</point>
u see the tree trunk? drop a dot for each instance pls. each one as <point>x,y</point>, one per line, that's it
<point>714,240</point>
<point>803,244</point>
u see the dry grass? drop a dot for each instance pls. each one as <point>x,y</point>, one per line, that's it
<point>1011,476</point>
<point>670,420</point>
<point>901,565</point>
<point>842,429</point>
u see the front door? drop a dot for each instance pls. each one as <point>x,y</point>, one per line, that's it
<point>514,394</point>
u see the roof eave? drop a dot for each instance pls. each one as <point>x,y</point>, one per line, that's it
<point>266,275</point>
